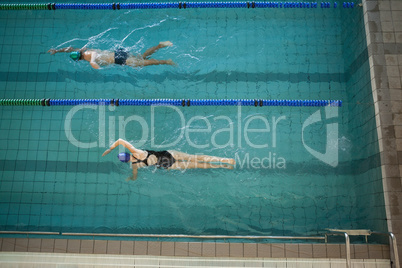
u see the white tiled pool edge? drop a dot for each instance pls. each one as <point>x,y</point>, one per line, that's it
<point>19,259</point>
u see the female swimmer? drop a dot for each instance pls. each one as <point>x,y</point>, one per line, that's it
<point>167,159</point>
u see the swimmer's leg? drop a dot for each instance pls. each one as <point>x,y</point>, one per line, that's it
<point>152,50</point>
<point>142,63</point>
<point>179,156</point>
<point>193,165</point>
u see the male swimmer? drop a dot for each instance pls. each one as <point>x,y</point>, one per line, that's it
<point>98,58</point>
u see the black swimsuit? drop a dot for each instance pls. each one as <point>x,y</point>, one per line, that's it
<point>120,56</point>
<point>164,159</point>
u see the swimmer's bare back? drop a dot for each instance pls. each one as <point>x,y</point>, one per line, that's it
<point>98,58</point>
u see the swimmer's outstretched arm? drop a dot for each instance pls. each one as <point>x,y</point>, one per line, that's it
<point>53,51</point>
<point>126,144</point>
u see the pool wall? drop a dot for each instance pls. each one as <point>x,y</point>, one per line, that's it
<point>383,27</point>
<point>364,151</point>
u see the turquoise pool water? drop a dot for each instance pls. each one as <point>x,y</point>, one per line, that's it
<point>50,184</point>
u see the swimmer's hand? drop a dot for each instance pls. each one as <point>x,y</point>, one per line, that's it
<point>52,51</point>
<point>95,65</point>
<point>131,178</point>
<point>165,44</point>
<point>106,152</point>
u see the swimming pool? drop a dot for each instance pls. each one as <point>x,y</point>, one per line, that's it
<point>50,184</point>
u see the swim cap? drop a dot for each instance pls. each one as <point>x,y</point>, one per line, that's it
<point>75,55</point>
<point>124,157</point>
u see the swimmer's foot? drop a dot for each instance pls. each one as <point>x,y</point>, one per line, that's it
<point>165,44</point>
<point>229,161</point>
<point>170,62</point>
<point>228,166</point>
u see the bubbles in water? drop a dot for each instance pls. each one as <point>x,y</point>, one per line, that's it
<point>344,144</point>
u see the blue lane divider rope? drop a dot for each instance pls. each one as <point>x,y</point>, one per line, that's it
<point>179,5</point>
<point>171,102</point>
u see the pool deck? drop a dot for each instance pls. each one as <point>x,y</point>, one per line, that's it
<point>383,23</point>
<point>194,249</point>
